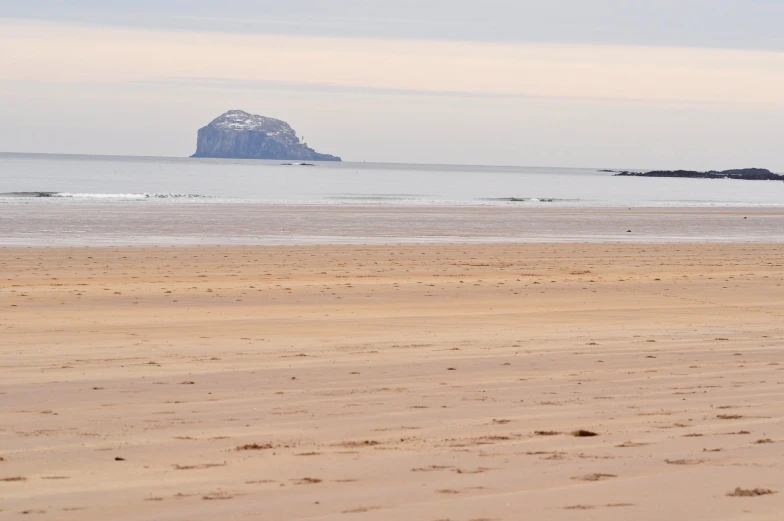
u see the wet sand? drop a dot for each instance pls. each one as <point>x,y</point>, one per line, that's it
<point>385,383</point>
<point>64,223</point>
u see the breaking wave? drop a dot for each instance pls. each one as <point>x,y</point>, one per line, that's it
<point>115,197</point>
<point>529,200</point>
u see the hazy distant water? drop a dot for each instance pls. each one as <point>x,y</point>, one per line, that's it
<point>118,200</point>
<point>362,183</point>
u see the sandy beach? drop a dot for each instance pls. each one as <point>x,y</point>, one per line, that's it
<point>441,382</point>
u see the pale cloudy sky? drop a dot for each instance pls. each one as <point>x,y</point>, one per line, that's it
<point>615,83</point>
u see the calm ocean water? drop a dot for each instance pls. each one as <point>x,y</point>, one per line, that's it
<point>82,200</point>
<point>132,178</point>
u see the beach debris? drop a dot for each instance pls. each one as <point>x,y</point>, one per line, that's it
<point>628,444</point>
<point>308,481</point>
<point>431,468</point>
<point>595,477</point>
<point>581,433</point>
<point>684,461</point>
<point>255,446</point>
<point>198,467</point>
<point>217,496</point>
<point>754,492</point>
<point>355,444</point>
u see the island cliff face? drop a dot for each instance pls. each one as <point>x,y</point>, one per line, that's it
<point>240,135</point>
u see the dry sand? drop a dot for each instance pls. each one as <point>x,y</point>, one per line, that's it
<point>387,383</point>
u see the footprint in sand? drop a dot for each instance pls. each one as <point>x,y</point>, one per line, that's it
<point>684,461</point>
<point>595,477</point>
<point>217,496</point>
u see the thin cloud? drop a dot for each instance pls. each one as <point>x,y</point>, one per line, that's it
<point>66,53</point>
<point>271,85</point>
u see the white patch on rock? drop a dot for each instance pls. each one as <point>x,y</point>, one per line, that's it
<point>241,121</point>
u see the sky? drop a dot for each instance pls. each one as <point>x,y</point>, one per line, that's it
<point>585,83</point>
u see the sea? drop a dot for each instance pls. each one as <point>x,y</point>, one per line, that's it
<point>78,200</point>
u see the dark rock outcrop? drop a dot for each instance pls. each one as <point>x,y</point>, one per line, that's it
<point>751,174</point>
<point>240,135</point>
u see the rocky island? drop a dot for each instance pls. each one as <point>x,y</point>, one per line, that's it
<point>751,174</point>
<point>240,135</point>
